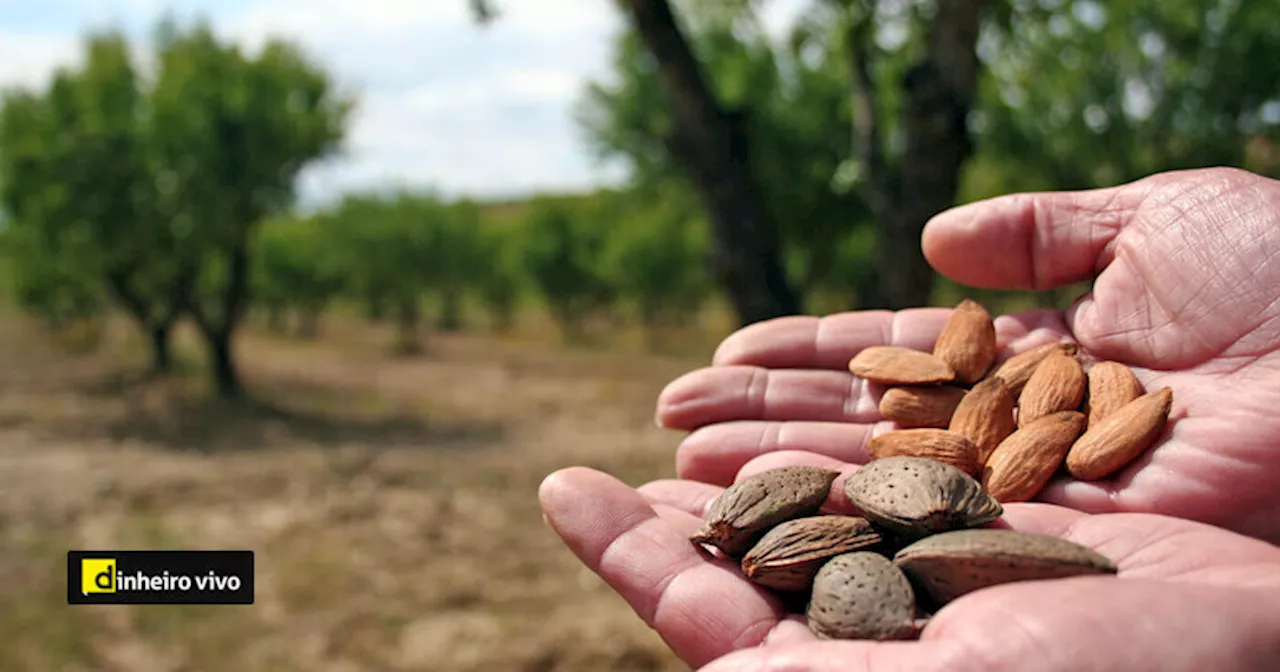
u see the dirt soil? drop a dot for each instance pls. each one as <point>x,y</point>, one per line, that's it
<point>391,502</point>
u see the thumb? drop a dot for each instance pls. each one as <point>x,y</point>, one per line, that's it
<point>840,656</point>
<point>1031,241</point>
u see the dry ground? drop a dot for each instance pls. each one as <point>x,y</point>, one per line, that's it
<point>391,502</point>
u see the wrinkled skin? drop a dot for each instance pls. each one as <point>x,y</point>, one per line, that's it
<point>1187,596</point>
<point>1187,293</point>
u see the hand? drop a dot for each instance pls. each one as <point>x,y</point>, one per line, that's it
<point>1187,597</point>
<point>1187,294</point>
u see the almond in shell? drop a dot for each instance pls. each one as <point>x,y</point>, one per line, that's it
<point>862,595</point>
<point>746,510</point>
<point>894,365</point>
<point>934,444</point>
<point>946,566</point>
<point>1121,437</point>
<point>789,555</point>
<point>985,416</point>
<point>921,406</point>
<point>1017,370</point>
<point>1111,386</point>
<point>1058,384</point>
<point>915,497</point>
<point>968,342</point>
<point>1023,463</point>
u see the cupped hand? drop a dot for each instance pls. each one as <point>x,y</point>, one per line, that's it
<point>1186,291</point>
<point>1187,596</point>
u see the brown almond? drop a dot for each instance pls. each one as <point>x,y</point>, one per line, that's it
<point>1121,437</point>
<point>934,444</point>
<point>1017,370</point>
<point>914,497</point>
<point>1058,384</point>
<point>862,595</point>
<point>789,555</point>
<point>967,342</point>
<point>894,365</point>
<point>985,416</point>
<point>747,509</point>
<point>1023,463</point>
<point>948,565</point>
<point>919,406</point>
<point>1111,386</point>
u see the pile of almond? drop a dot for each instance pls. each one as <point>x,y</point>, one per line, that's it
<point>1016,425</point>
<point>970,436</point>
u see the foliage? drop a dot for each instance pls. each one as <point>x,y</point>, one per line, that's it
<point>297,267</point>
<point>1085,94</point>
<point>655,257</point>
<point>154,187</point>
<point>799,111</point>
<point>562,250</point>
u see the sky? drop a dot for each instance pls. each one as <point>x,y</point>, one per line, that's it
<point>444,104</point>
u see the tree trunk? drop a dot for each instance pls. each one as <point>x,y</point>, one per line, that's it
<point>161,355</point>
<point>226,379</point>
<point>409,314</point>
<point>938,94</point>
<point>714,147</point>
<point>450,310</point>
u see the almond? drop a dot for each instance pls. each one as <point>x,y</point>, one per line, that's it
<point>968,342</point>
<point>1121,437</point>
<point>921,406</point>
<point>952,564</point>
<point>745,511</point>
<point>985,416</point>
<point>914,497</point>
<point>1017,370</point>
<point>933,444</point>
<point>1058,384</point>
<point>894,365</point>
<point>862,595</point>
<point>790,554</point>
<point>1111,386</point>
<point>1023,463</point>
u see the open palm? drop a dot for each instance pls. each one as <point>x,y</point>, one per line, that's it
<point>1187,293</point>
<point>1187,596</point>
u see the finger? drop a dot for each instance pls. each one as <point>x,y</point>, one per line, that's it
<point>723,393</point>
<point>757,391</point>
<point>1096,623</point>
<point>653,566</point>
<point>1030,241</point>
<point>803,342</point>
<point>690,497</point>
<point>843,656</point>
<point>715,453</point>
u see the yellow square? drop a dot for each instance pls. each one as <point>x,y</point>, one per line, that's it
<point>97,575</point>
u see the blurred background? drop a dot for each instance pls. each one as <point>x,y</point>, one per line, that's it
<point>340,281</point>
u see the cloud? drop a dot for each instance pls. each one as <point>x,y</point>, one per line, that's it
<point>478,110</point>
<point>484,111</point>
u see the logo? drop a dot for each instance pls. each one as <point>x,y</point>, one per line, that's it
<point>160,577</point>
<point>97,575</point>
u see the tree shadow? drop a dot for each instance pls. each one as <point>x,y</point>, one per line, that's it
<point>274,415</point>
